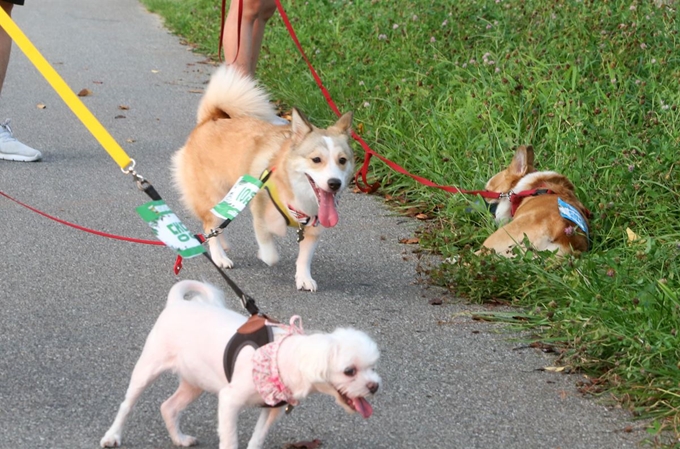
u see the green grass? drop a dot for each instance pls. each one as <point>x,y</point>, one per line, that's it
<point>448,91</point>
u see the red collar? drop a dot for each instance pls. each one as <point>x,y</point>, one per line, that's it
<point>517,198</point>
<point>302,218</point>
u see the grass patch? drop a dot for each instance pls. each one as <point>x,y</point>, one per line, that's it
<point>449,90</point>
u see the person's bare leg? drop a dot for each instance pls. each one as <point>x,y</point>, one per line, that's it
<point>10,148</point>
<point>5,44</point>
<point>267,10</point>
<point>244,53</point>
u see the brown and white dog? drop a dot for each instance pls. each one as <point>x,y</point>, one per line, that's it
<point>540,206</point>
<point>189,339</point>
<point>236,135</point>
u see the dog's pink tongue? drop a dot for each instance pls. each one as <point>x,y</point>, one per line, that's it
<point>362,406</point>
<point>328,214</point>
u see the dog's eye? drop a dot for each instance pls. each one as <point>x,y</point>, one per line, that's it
<point>351,371</point>
<point>316,160</point>
<point>342,161</point>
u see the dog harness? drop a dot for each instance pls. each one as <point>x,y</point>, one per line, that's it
<point>266,375</point>
<point>566,210</point>
<point>257,333</point>
<point>517,198</point>
<point>294,218</point>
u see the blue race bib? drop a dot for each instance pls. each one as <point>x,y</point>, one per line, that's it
<point>572,214</point>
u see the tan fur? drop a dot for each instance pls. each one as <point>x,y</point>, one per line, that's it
<point>537,217</point>
<point>233,137</point>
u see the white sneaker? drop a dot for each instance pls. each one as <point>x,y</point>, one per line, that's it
<point>13,150</point>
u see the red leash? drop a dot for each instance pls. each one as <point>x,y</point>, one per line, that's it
<point>82,228</point>
<point>369,152</point>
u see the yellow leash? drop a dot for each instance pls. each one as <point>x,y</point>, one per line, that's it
<point>59,85</point>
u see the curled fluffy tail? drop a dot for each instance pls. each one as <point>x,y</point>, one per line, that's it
<point>232,93</point>
<point>202,292</point>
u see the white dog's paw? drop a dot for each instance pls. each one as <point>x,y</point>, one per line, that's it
<point>305,283</point>
<point>268,254</point>
<point>110,440</point>
<point>185,441</point>
<point>222,261</point>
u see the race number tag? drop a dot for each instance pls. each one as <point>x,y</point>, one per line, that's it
<point>169,229</point>
<point>238,198</point>
<point>572,214</point>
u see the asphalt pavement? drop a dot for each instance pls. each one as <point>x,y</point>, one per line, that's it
<point>75,308</point>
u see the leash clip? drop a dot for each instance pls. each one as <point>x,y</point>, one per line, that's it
<point>213,233</point>
<point>130,170</point>
<point>507,194</point>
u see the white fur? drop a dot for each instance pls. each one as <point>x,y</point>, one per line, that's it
<point>189,339</point>
<point>242,98</point>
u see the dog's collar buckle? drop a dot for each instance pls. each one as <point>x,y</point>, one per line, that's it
<point>504,195</point>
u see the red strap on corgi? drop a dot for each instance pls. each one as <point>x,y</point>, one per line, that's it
<point>517,198</point>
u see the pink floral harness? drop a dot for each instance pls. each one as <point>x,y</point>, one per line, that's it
<point>266,375</point>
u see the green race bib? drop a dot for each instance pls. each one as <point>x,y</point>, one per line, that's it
<point>169,229</point>
<point>237,198</point>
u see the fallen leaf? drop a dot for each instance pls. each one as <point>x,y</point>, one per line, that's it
<point>422,216</point>
<point>563,394</point>
<point>554,369</point>
<point>360,128</point>
<point>543,346</point>
<point>123,107</point>
<point>41,106</point>
<point>632,237</point>
<point>436,302</point>
<point>85,93</point>
<point>411,241</point>
<point>314,444</point>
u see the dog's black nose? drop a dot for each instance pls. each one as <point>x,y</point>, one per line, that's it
<point>373,387</point>
<point>334,184</point>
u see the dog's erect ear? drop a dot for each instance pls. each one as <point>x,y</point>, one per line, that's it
<point>300,125</point>
<point>523,161</point>
<point>344,123</point>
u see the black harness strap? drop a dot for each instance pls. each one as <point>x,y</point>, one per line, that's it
<point>255,333</point>
<point>256,339</point>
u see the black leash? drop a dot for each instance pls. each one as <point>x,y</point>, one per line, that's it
<point>247,301</point>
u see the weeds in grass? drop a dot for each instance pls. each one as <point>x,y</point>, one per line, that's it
<point>448,90</point>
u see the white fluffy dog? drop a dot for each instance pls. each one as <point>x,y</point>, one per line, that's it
<point>190,337</point>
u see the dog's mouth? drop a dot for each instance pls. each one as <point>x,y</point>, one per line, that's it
<point>328,212</point>
<point>359,405</point>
